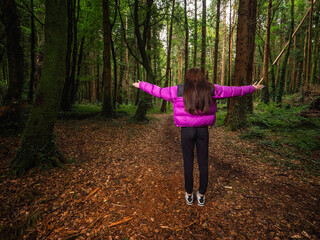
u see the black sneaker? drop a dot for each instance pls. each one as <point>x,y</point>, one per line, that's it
<point>201,199</point>
<point>189,198</point>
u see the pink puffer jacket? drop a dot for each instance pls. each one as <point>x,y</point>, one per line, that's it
<point>185,119</point>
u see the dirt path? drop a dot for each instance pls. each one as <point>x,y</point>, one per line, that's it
<point>126,182</point>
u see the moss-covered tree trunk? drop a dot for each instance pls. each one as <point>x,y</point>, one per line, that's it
<point>37,142</point>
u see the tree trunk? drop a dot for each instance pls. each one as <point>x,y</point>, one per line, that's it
<point>265,90</point>
<point>293,66</point>
<point>32,54</point>
<point>232,20</point>
<point>282,79</point>
<point>203,43</point>
<point>93,77</point>
<point>144,98</point>
<point>37,143</point>
<point>195,40</point>
<point>107,108</point>
<point>315,54</point>
<point>75,20</point>
<point>14,51</point>
<point>66,96</point>
<point>186,48</point>
<point>307,83</point>
<point>77,80</point>
<point>216,45</point>
<point>126,92</point>
<point>115,75</point>
<point>164,102</point>
<point>223,60</point>
<point>236,116</point>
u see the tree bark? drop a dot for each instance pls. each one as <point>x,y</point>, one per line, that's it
<point>203,39</point>
<point>37,143</point>
<point>14,51</point>
<point>281,83</point>
<point>164,102</point>
<point>265,90</point>
<point>186,48</point>
<point>195,40</point>
<point>107,108</point>
<point>315,54</point>
<point>236,116</point>
<point>144,98</point>
<point>32,54</point>
<point>216,45</point>
<point>66,96</point>
<point>307,83</point>
<point>223,60</point>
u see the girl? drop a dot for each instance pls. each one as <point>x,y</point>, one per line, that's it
<point>194,108</point>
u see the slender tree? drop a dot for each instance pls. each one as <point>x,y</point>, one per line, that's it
<point>37,145</point>
<point>168,69</point>
<point>32,54</point>
<point>144,98</point>
<point>216,45</point>
<point>11,22</point>
<point>223,60</point>
<point>107,108</point>
<point>281,82</point>
<point>195,40</point>
<point>265,90</point>
<point>203,40</point>
<point>307,83</point>
<point>186,48</point>
<point>66,96</point>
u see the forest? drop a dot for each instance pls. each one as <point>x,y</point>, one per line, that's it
<point>85,155</point>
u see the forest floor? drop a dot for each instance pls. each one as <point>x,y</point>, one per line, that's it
<point>125,181</point>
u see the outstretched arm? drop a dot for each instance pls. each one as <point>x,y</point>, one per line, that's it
<point>236,91</point>
<point>168,93</point>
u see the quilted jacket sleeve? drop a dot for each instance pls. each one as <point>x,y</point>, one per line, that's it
<point>168,93</point>
<point>234,91</point>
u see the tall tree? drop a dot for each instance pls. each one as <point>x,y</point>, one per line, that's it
<point>223,60</point>
<point>203,39</point>
<point>168,69</point>
<point>236,116</point>
<point>307,83</point>
<point>186,48</point>
<point>144,98</point>
<point>281,82</point>
<point>216,45</point>
<point>265,90</point>
<point>66,96</point>
<point>195,40</point>
<point>37,145</point>
<point>107,108</point>
<point>11,23</point>
<point>32,53</point>
<point>315,54</point>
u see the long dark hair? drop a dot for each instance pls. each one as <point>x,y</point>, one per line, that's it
<point>196,92</point>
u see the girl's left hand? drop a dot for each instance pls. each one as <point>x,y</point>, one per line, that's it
<point>136,84</point>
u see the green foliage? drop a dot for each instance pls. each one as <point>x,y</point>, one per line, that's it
<point>285,132</point>
<point>253,133</point>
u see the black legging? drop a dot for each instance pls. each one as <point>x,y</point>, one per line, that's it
<point>189,137</point>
